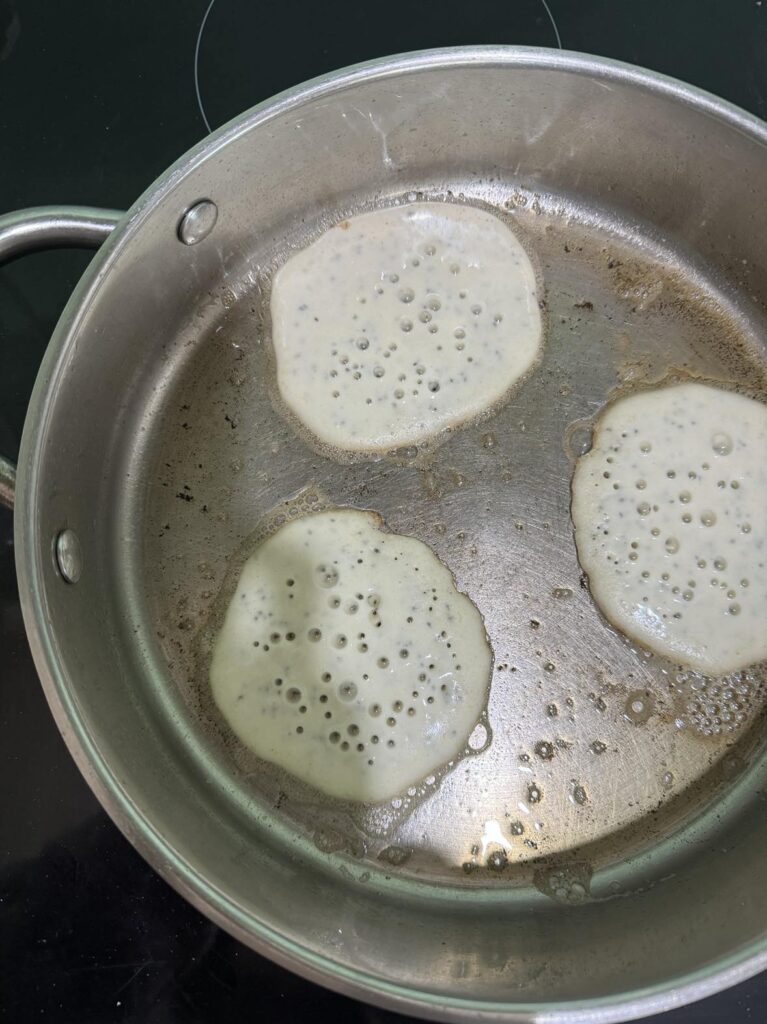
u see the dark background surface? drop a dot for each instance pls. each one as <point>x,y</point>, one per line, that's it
<point>98,97</point>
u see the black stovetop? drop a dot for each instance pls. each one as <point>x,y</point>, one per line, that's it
<point>96,99</point>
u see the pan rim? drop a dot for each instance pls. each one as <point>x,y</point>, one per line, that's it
<point>113,793</point>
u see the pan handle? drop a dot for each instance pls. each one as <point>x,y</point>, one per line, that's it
<point>48,227</point>
<point>7,482</point>
<point>54,227</point>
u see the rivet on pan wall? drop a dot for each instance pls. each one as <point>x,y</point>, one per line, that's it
<point>69,556</point>
<point>198,222</point>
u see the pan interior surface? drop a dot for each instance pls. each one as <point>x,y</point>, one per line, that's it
<point>597,837</point>
<point>597,747</point>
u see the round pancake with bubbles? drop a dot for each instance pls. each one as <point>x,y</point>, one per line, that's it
<point>348,657</point>
<point>398,323</point>
<point>670,515</point>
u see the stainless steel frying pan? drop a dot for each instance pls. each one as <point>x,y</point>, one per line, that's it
<point>603,858</point>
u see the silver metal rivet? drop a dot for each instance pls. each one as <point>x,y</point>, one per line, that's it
<point>69,556</point>
<point>198,222</point>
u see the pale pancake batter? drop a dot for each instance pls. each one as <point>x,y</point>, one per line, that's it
<point>670,515</point>
<point>348,657</point>
<point>396,324</point>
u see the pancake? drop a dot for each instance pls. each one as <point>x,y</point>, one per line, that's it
<point>348,657</point>
<point>399,323</point>
<point>670,516</point>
